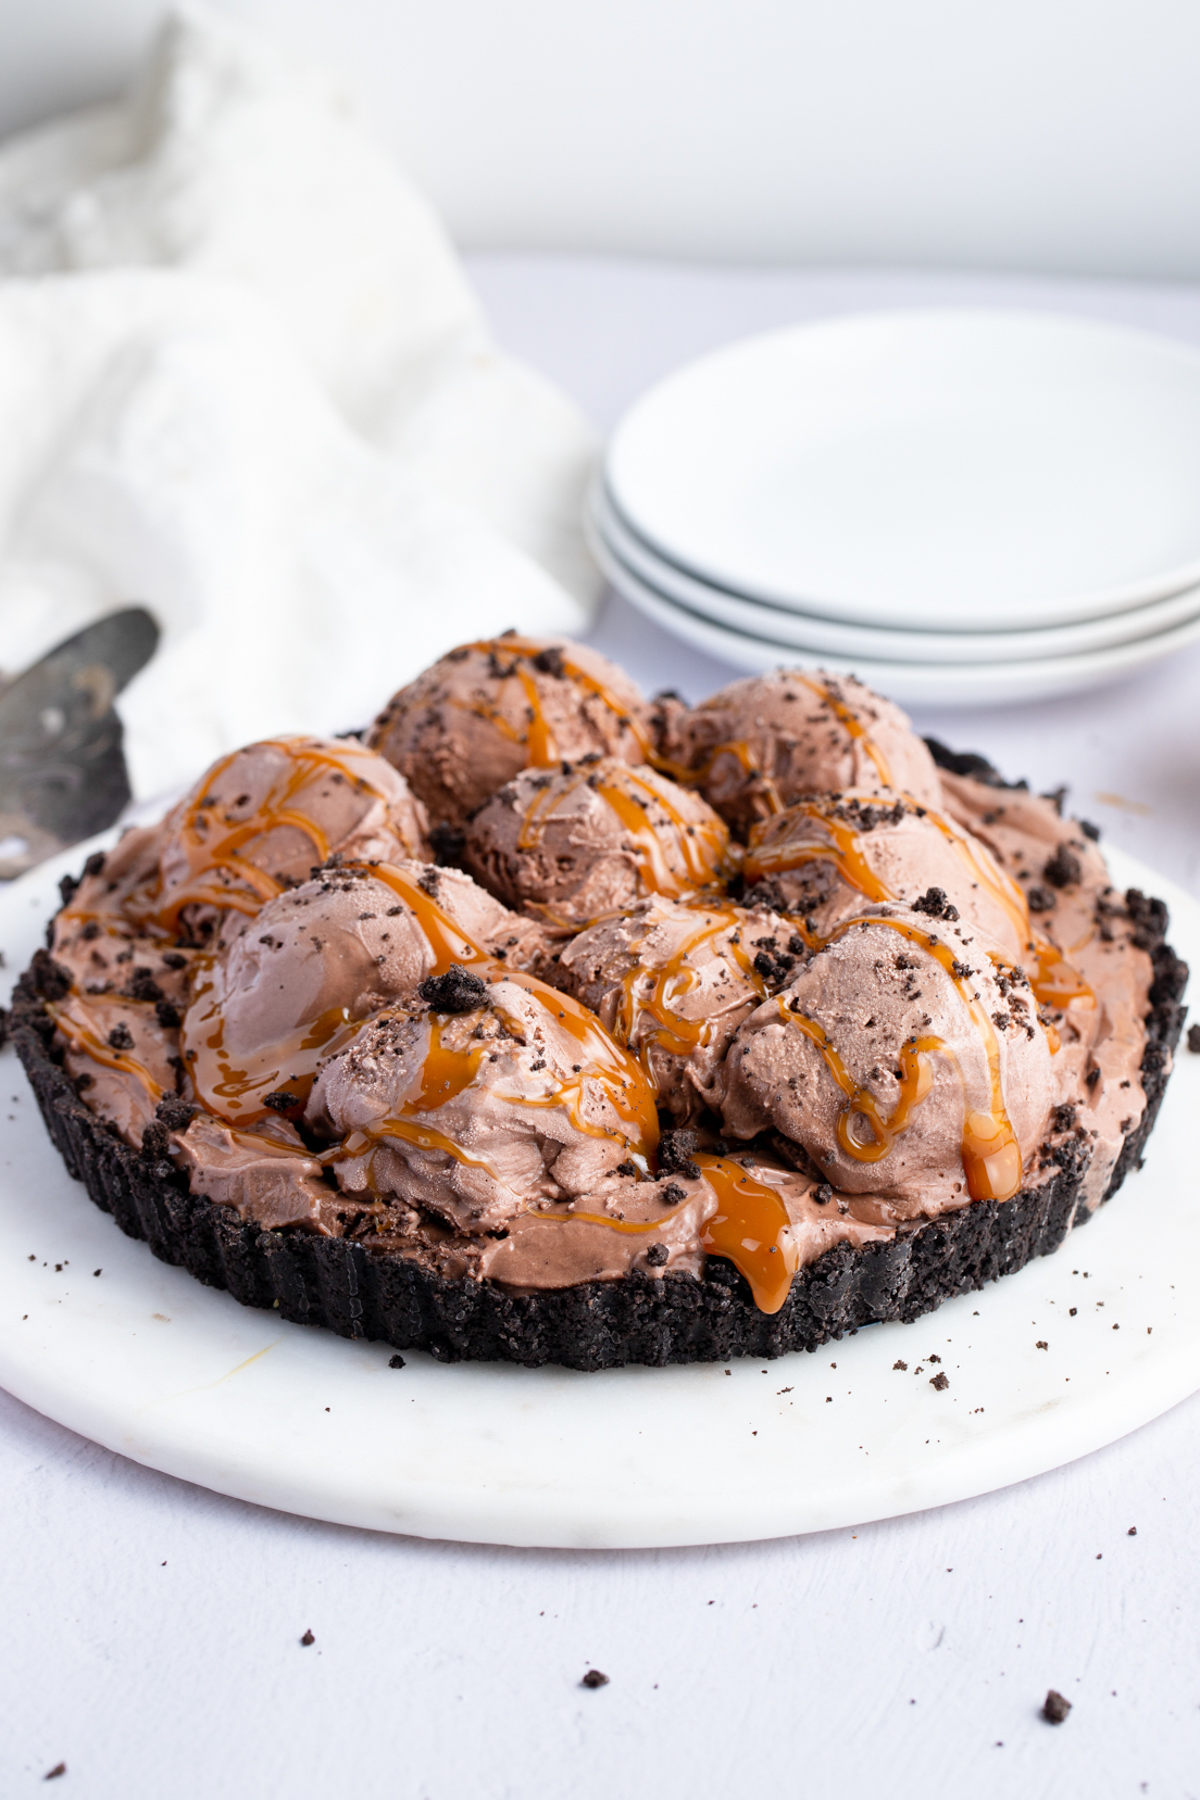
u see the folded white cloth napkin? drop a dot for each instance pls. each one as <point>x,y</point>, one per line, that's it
<point>244,382</point>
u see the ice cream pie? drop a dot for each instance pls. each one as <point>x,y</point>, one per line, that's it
<point>711,1031</point>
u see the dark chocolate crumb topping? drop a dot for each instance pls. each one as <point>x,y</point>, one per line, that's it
<point>676,1151</point>
<point>1064,868</point>
<point>934,903</point>
<point>175,1112</point>
<point>156,1141</point>
<point>459,990</point>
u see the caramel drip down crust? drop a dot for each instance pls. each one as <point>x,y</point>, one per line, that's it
<point>752,1230</point>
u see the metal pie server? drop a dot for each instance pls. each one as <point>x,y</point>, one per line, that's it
<point>62,761</point>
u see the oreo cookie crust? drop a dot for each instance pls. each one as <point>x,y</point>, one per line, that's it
<point>595,1325</point>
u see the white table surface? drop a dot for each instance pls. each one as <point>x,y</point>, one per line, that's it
<point>151,1629</point>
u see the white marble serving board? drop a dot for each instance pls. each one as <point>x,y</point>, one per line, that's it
<point>143,1359</point>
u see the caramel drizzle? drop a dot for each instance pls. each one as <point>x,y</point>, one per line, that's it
<point>667,986</point>
<point>292,1063</point>
<point>289,1064</point>
<point>214,846</point>
<point>852,725</point>
<point>991,1156</point>
<point>543,748</point>
<point>84,1038</point>
<point>688,776</point>
<point>1054,981</point>
<point>444,1075</point>
<point>539,735</point>
<point>254,1140</point>
<point>703,844</point>
<point>773,852</point>
<point>741,751</point>
<point>602,1060</point>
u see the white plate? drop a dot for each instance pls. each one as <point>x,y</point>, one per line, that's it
<point>953,469</point>
<point>981,683</point>
<point>825,636</point>
<point>145,1360</point>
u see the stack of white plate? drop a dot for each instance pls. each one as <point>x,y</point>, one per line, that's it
<point>957,506</point>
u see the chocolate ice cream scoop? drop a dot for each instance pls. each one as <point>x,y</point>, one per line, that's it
<point>903,1061</point>
<point>255,824</point>
<point>477,1115</point>
<point>674,982</point>
<point>826,857</point>
<point>293,988</point>
<point>766,741</point>
<point>591,837</point>
<point>487,710</point>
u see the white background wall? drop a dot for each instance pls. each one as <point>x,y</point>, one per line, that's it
<point>1043,134</point>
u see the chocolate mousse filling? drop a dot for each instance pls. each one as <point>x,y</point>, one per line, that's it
<point>640,1092</point>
